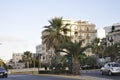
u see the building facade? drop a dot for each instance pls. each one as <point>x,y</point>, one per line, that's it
<point>15,62</point>
<point>81,30</point>
<point>45,55</point>
<point>16,57</point>
<point>113,36</point>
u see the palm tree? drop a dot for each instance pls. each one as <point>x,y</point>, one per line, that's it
<point>53,37</point>
<point>27,58</point>
<point>97,47</point>
<point>74,49</point>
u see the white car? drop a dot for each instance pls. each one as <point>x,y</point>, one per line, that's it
<point>111,68</point>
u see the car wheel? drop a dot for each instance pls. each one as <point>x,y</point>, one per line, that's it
<point>110,73</point>
<point>6,76</point>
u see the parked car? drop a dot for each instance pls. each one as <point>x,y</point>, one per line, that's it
<point>111,68</point>
<point>84,67</point>
<point>3,73</point>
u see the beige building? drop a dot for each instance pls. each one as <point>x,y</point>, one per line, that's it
<point>81,30</point>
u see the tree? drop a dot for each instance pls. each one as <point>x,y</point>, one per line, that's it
<point>53,37</point>
<point>112,51</point>
<point>2,64</point>
<point>27,58</point>
<point>97,47</point>
<point>74,49</point>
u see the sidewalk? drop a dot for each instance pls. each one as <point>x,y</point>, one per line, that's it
<point>81,77</point>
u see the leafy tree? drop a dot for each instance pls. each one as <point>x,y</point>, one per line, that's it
<point>112,51</point>
<point>2,64</point>
<point>97,47</point>
<point>92,61</point>
<point>27,58</point>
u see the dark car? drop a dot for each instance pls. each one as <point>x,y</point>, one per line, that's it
<point>3,73</point>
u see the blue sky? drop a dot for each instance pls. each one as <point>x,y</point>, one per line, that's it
<point>21,21</point>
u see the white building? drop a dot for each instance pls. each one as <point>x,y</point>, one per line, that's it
<point>113,36</point>
<point>39,51</point>
<point>45,55</point>
<point>16,57</point>
<point>107,29</point>
<point>16,61</point>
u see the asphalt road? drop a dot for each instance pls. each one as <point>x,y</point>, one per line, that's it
<point>35,77</point>
<point>85,75</point>
<point>97,74</point>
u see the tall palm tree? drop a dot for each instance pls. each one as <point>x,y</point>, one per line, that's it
<point>74,49</point>
<point>27,58</point>
<point>52,35</point>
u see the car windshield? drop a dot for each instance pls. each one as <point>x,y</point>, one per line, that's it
<point>115,65</point>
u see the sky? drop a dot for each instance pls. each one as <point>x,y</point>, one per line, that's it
<point>22,21</point>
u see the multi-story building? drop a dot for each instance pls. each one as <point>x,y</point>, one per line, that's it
<point>40,50</point>
<point>16,57</point>
<point>45,55</point>
<point>81,30</point>
<point>113,36</point>
<point>16,61</point>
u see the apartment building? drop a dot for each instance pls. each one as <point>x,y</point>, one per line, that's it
<point>15,62</point>
<point>16,57</point>
<point>45,55</point>
<point>81,30</point>
<point>113,36</point>
<point>41,51</point>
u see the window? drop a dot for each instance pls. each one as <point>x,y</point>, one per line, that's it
<point>87,29</point>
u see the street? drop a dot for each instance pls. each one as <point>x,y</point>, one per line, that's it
<point>97,74</point>
<point>35,77</point>
<point>85,75</point>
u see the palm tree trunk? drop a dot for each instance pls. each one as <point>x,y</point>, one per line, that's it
<point>75,66</point>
